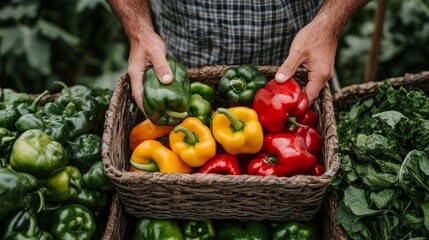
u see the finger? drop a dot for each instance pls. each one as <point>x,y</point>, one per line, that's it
<point>162,69</point>
<point>289,67</point>
<point>137,87</point>
<point>315,85</point>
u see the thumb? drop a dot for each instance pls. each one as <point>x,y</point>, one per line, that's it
<point>162,69</point>
<point>288,68</point>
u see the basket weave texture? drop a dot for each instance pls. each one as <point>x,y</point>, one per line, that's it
<point>213,196</point>
<point>343,101</point>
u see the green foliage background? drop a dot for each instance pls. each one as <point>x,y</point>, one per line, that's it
<point>81,41</point>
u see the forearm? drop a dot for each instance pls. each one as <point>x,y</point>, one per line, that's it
<point>334,14</point>
<point>134,16</point>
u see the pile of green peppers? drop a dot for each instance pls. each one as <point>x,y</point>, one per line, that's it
<point>52,181</point>
<point>185,229</point>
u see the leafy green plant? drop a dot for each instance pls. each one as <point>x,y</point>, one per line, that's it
<point>70,41</point>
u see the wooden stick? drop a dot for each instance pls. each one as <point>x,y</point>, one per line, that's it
<point>372,63</point>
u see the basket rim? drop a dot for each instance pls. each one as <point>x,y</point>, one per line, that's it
<point>215,71</point>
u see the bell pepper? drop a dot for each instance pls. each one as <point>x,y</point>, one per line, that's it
<point>75,90</point>
<point>238,85</point>
<point>36,153</point>
<point>152,156</point>
<point>26,108</point>
<point>167,104</point>
<point>198,230</point>
<point>238,130</point>
<point>73,221</point>
<point>64,185</point>
<point>23,225</point>
<point>29,121</point>
<point>201,109</point>
<point>57,128</point>
<point>283,155</point>
<point>7,138</point>
<point>14,187</point>
<point>318,170</point>
<point>92,199</point>
<point>85,151</point>
<point>253,230</point>
<point>294,230</point>
<point>221,163</point>
<point>8,116</point>
<point>78,121</point>
<point>313,140</point>
<point>52,108</point>
<point>146,130</point>
<point>13,98</point>
<point>277,102</point>
<point>45,217</point>
<point>206,91</point>
<point>308,119</point>
<point>153,229</point>
<point>96,179</point>
<point>103,97</point>
<point>193,142</point>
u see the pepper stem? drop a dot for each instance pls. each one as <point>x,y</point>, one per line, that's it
<point>175,114</point>
<point>270,159</point>
<point>64,86</point>
<point>190,137</point>
<point>41,201</point>
<point>70,109</point>
<point>291,121</point>
<point>236,124</point>
<point>150,167</point>
<point>38,98</point>
<point>75,223</point>
<point>237,84</point>
<point>32,227</point>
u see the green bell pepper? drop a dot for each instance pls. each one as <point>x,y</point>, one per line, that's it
<point>294,230</point>
<point>14,188</point>
<point>23,225</point>
<point>45,217</point>
<point>57,128</point>
<point>198,230</point>
<point>13,98</point>
<point>29,121</point>
<point>167,104</point>
<point>153,229</point>
<point>52,108</point>
<point>8,116</point>
<point>96,179</point>
<point>73,222</point>
<point>26,108</point>
<point>206,91</point>
<point>253,230</point>
<point>238,85</point>
<point>85,151</point>
<point>7,138</point>
<point>92,199</point>
<point>63,185</point>
<point>73,91</point>
<point>103,97</point>
<point>36,153</point>
<point>201,109</point>
<point>78,121</point>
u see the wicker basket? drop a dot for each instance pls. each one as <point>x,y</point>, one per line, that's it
<point>118,224</point>
<point>343,101</point>
<point>212,196</point>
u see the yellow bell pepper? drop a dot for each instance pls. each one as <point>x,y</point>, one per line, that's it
<point>238,130</point>
<point>146,130</point>
<point>152,156</point>
<point>193,142</point>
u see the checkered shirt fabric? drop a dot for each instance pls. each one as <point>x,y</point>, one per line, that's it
<point>213,32</point>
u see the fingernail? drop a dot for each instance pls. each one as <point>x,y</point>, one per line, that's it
<point>166,78</point>
<point>280,77</point>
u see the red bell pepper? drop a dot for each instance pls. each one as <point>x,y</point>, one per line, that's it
<point>308,119</point>
<point>318,170</point>
<point>277,102</point>
<point>313,141</point>
<point>283,155</point>
<point>221,163</point>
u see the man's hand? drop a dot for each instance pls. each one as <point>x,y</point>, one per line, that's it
<point>149,52</point>
<point>314,47</point>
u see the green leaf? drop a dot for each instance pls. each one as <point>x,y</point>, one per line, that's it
<point>349,221</point>
<point>37,50</point>
<point>52,31</point>
<point>11,39</point>
<point>413,176</point>
<point>425,208</point>
<point>383,199</point>
<point>354,199</point>
<point>390,117</point>
<point>89,4</point>
<point>25,9</point>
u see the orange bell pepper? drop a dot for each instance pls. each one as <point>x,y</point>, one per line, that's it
<point>146,130</point>
<point>238,130</point>
<point>193,142</point>
<point>152,156</point>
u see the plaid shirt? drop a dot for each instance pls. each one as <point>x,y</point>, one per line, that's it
<point>213,32</point>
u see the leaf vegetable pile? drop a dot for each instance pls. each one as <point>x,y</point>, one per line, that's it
<point>382,187</point>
